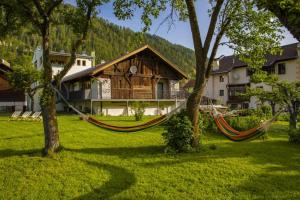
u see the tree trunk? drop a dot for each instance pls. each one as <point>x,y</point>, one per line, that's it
<point>31,101</point>
<point>293,120</point>
<point>194,99</point>
<point>273,107</point>
<point>48,99</point>
<point>192,108</point>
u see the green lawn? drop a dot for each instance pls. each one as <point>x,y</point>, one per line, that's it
<point>99,164</point>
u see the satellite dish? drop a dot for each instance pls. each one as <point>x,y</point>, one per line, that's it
<point>236,76</point>
<point>133,69</point>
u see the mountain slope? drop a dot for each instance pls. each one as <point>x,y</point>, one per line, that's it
<point>106,39</point>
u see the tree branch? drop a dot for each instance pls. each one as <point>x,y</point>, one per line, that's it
<point>215,47</point>
<point>40,9</point>
<point>53,6</point>
<point>29,13</point>
<point>212,25</point>
<point>76,45</point>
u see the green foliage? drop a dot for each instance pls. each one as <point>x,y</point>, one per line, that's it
<point>23,76</point>
<point>253,32</point>
<point>139,109</point>
<point>294,136</point>
<point>178,133</point>
<point>207,123</point>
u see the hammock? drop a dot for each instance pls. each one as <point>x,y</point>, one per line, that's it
<point>235,135</point>
<point>94,121</point>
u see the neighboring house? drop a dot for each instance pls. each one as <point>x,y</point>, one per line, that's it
<point>230,76</point>
<point>10,99</point>
<point>58,60</point>
<point>110,88</point>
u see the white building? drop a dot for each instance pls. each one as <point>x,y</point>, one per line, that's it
<point>58,60</point>
<point>230,76</point>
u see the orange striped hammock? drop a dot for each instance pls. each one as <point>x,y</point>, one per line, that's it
<point>154,122</point>
<point>237,136</point>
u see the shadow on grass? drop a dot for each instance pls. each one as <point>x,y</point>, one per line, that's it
<point>5,153</point>
<point>124,152</point>
<point>270,185</point>
<point>19,137</point>
<point>120,180</point>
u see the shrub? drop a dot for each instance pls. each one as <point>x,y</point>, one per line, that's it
<point>139,110</point>
<point>178,133</point>
<point>207,123</point>
<point>294,136</point>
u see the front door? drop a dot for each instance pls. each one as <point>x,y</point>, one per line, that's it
<point>160,90</point>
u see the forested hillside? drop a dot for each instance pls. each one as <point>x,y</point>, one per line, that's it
<point>106,39</point>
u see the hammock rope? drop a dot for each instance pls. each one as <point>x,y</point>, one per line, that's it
<point>94,121</point>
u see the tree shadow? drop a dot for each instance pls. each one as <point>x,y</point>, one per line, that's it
<point>270,185</point>
<point>123,152</point>
<point>5,153</point>
<point>19,137</point>
<point>120,180</point>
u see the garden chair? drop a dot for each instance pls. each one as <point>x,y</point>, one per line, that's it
<point>15,115</point>
<point>35,116</point>
<point>25,115</point>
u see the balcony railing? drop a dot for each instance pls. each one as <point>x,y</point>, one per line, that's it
<point>126,93</point>
<point>80,95</point>
<point>11,96</point>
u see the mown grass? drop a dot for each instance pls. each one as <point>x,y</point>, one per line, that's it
<point>100,164</point>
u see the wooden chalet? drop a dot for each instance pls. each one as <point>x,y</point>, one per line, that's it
<point>141,75</point>
<point>10,99</point>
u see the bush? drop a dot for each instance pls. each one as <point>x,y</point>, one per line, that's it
<point>139,110</point>
<point>294,136</point>
<point>178,133</point>
<point>207,123</point>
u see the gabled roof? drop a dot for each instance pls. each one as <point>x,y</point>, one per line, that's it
<point>227,63</point>
<point>98,68</point>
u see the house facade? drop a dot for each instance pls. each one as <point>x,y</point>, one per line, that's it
<point>58,60</point>
<point>230,76</point>
<point>10,99</point>
<point>111,88</point>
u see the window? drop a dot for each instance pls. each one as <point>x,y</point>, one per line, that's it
<point>83,63</point>
<point>270,70</point>
<point>221,79</point>
<point>221,93</point>
<point>78,62</point>
<point>281,68</point>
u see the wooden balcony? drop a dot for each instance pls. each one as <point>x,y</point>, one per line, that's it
<point>80,95</point>
<point>11,96</point>
<point>235,91</point>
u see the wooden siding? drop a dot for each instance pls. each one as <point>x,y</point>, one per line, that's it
<point>142,85</point>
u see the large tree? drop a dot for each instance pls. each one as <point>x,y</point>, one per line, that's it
<point>251,32</point>
<point>287,11</point>
<point>40,15</point>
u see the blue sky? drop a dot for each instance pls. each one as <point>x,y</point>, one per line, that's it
<point>179,33</point>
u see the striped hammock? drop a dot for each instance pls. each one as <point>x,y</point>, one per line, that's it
<point>237,136</point>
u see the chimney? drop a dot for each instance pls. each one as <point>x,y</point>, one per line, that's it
<point>93,54</point>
